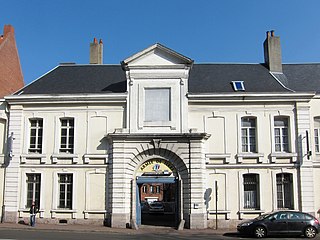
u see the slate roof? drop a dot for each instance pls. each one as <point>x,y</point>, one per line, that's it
<point>79,79</point>
<point>217,78</point>
<point>204,78</point>
<point>303,77</point>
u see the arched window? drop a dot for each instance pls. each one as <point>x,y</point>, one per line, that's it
<point>285,191</point>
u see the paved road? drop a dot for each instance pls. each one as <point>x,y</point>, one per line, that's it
<point>50,234</point>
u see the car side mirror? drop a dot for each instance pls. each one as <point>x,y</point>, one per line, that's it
<point>272,219</point>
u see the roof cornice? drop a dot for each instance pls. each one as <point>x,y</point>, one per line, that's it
<point>251,97</point>
<point>72,98</point>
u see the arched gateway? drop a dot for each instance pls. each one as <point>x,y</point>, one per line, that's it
<point>172,166</point>
<point>158,187</point>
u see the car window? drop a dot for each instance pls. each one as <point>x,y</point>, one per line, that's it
<point>279,216</point>
<point>297,216</point>
<point>308,217</point>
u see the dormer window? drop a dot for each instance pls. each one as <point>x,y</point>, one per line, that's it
<point>238,86</point>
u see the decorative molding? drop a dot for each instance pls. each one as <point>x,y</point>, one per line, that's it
<point>156,142</point>
<point>258,156</point>
<point>275,155</point>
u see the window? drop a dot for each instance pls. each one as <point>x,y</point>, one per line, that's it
<point>67,135</point>
<point>238,86</point>
<point>281,134</point>
<point>36,129</point>
<point>284,191</point>
<point>157,104</point>
<point>65,190</point>
<point>251,191</point>
<point>152,190</point>
<point>144,188</point>
<point>33,189</point>
<point>316,134</point>
<point>248,134</point>
<point>158,189</point>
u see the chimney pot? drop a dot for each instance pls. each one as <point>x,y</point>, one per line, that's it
<point>272,33</point>
<point>96,52</point>
<point>268,34</point>
<point>100,42</point>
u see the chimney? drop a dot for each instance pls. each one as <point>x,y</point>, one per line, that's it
<point>272,52</point>
<point>96,52</point>
<point>7,29</point>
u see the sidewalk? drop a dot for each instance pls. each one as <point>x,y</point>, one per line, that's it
<point>97,228</point>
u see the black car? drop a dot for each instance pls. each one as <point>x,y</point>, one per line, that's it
<point>281,222</point>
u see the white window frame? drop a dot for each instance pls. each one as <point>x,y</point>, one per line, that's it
<point>257,191</point>
<point>249,147</point>
<point>294,187</point>
<point>69,149</point>
<point>238,86</point>
<point>291,133</point>
<point>283,192</point>
<point>56,191</point>
<point>24,186</point>
<point>37,136</point>
<point>248,155</point>
<point>281,135</point>
<point>66,185</point>
<point>260,193</point>
<point>34,184</point>
<point>57,140</point>
<point>25,155</point>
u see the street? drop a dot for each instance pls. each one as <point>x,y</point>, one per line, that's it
<point>145,234</point>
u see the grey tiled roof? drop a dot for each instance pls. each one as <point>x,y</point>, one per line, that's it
<point>79,79</point>
<point>204,78</point>
<point>303,77</point>
<point>217,78</point>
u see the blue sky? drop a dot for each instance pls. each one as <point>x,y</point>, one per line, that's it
<point>51,32</point>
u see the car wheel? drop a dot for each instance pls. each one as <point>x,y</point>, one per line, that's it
<point>260,232</point>
<point>310,232</point>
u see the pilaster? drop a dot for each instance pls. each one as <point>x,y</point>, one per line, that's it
<point>306,170</point>
<point>11,192</point>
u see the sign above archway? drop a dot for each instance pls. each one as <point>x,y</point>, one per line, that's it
<point>156,167</point>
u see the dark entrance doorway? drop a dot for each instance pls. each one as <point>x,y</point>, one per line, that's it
<point>157,200</point>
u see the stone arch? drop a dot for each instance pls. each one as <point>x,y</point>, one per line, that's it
<point>182,175</point>
<point>164,154</point>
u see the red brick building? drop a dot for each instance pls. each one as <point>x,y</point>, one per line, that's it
<point>11,78</point>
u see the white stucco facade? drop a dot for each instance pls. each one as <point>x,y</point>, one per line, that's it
<point>199,134</point>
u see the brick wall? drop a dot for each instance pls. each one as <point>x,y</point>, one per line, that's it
<point>11,78</point>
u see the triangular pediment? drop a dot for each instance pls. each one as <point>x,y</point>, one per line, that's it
<point>156,55</point>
